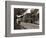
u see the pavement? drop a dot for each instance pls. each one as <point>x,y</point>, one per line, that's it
<point>30,25</point>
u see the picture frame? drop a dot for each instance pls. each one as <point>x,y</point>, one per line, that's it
<point>25,29</point>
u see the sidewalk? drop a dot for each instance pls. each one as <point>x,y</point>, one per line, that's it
<point>29,25</point>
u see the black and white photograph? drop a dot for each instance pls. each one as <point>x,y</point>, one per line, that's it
<point>26,18</point>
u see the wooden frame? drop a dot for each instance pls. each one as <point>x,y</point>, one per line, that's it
<point>8,18</point>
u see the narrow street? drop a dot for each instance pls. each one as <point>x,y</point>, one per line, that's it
<point>29,25</point>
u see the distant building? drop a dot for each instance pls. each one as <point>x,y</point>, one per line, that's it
<point>31,17</point>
